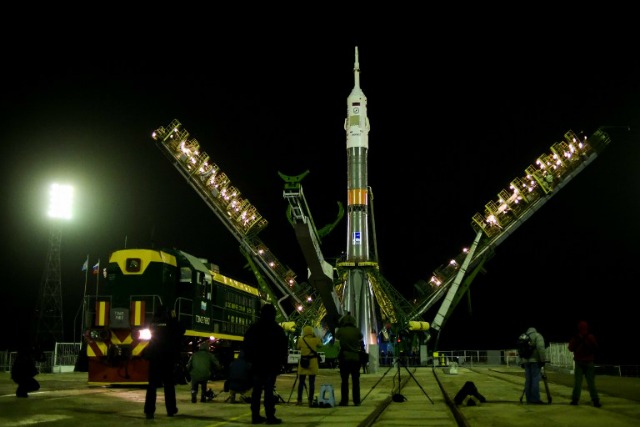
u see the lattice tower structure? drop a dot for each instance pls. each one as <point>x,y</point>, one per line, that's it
<point>50,326</point>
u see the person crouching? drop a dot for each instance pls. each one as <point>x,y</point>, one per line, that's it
<point>201,367</point>
<point>23,372</point>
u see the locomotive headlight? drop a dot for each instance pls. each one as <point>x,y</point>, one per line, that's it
<point>144,334</point>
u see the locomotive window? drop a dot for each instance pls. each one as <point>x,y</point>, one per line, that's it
<point>133,264</point>
<point>185,275</point>
<point>209,287</point>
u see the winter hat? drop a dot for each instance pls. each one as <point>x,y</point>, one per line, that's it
<point>348,319</point>
<point>204,345</point>
<point>307,330</point>
<point>583,327</point>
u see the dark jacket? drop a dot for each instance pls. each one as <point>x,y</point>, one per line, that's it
<point>583,345</point>
<point>265,343</point>
<point>24,367</point>
<point>163,350</point>
<point>350,338</point>
<point>239,379</point>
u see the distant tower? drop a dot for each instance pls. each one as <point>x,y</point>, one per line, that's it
<point>50,327</point>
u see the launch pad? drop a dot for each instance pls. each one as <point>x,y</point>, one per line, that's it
<point>355,284</point>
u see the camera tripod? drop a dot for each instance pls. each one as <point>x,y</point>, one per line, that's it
<point>293,387</point>
<point>397,363</point>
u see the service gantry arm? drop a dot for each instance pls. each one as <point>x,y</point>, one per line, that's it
<point>525,195</point>
<point>239,216</point>
<point>321,276</point>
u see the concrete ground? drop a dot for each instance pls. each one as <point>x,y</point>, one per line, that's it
<point>66,400</point>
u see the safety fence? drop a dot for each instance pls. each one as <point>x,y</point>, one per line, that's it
<point>558,356</point>
<point>62,359</point>
<point>65,356</point>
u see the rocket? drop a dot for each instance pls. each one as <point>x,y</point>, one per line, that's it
<point>357,127</point>
<point>358,297</point>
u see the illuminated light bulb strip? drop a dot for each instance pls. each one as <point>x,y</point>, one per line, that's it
<point>539,179</point>
<point>549,169</point>
<point>444,272</point>
<point>217,186</point>
<point>568,157</point>
<point>287,276</point>
<point>187,151</point>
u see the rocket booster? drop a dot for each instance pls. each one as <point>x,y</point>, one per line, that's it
<point>357,127</point>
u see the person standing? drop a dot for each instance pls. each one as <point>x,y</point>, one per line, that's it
<point>351,341</point>
<point>308,344</point>
<point>201,367</point>
<point>163,354</point>
<point>23,372</point>
<point>266,348</point>
<point>364,359</point>
<point>584,346</point>
<point>533,366</point>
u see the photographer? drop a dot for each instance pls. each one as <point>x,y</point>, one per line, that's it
<point>308,344</point>
<point>351,341</point>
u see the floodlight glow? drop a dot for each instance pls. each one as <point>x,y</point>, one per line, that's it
<point>60,198</point>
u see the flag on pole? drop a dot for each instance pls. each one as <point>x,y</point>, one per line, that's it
<point>85,266</point>
<point>96,268</point>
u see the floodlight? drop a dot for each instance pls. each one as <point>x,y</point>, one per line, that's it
<point>60,198</point>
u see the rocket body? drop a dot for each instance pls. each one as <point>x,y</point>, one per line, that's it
<point>358,297</point>
<point>356,126</point>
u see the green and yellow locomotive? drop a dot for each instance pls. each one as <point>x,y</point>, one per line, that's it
<point>138,282</point>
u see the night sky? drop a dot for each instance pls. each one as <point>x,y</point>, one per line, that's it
<point>454,118</point>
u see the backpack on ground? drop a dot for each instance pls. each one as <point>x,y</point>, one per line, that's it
<point>525,346</point>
